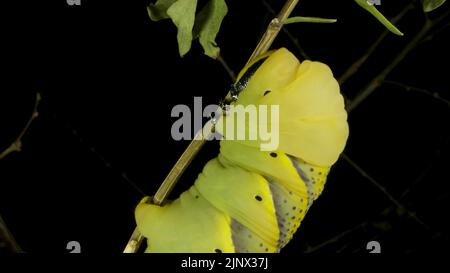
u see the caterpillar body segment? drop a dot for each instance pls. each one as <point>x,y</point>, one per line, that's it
<point>188,224</point>
<point>276,165</point>
<point>312,118</point>
<point>313,176</point>
<point>244,196</point>
<point>247,199</point>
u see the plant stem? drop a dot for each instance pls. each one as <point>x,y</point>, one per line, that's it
<point>358,63</point>
<point>227,68</point>
<point>291,37</point>
<point>16,146</point>
<point>6,235</point>
<point>380,78</point>
<point>273,29</point>
<point>391,198</point>
<point>434,95</point>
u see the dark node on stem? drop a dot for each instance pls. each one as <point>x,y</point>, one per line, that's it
<point>233,90</point>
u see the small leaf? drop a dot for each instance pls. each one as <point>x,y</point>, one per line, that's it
<point>158,10</point>
<point>300,19</point>
<point>207,25</point>
<point>373,10</point>
<point>430,5</point>
<point>182,14</point>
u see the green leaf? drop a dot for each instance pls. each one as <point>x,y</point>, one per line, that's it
<point>300,19</point>
<point>373,10</point>
<point>158,10</point>
<point>430,5</point>
<point>207,25</point>
<point>182,13</point>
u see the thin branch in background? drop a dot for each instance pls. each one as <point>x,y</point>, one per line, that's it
<point>345,246</point>
<point>434,95</point>
<point>199,140</point>
<point>273,29</point>
<point>286,31</point>
<point>389,208</point>
<point>436,32</point>
<point>16,146</point>
<point>419,178</point>
<point>391,198</point>
<point>359,62</point>
<point>336,238</point>
<point>424,173</point>
<point>380,78</point>
<point>227,68</point>
<point>105,162</point>
<point>8,238</point>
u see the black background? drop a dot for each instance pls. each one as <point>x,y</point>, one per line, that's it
<point>109,78</point>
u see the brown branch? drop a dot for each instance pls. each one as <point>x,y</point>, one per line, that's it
<point>273,29</point>
<point>8,238</point>
<point>286,31</point>
<point>199,140</point>
<point>16,146</point>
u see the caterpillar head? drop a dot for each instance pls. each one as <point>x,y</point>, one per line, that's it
<point>312,121</point>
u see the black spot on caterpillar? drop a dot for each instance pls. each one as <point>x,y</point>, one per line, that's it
<point>243,81</point>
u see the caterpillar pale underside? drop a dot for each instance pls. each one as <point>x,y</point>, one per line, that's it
<point>246,199</point>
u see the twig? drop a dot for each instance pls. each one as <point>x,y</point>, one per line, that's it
<point>434,95</point>
<point>105,162</point>
<point>384,191</point>
<point>286,31</point>
<point>199,140</point>
<point>358,63</point>
<point>339,236</point>
<point>6,235</point>
<point>433,162</point>
<point>227,68</point>
<point>336,238</point>
<point>16,146</point>
<point>435,33</point>
<point>273,29</point>
<point>379,79</point>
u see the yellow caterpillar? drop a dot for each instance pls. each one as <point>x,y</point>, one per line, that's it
<point>246,199</point>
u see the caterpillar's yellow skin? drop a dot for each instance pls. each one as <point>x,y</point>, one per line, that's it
<point>248,200</point>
